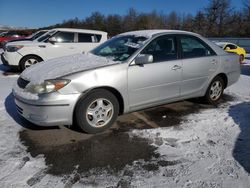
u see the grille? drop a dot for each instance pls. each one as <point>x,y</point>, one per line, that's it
<point>22,83</point>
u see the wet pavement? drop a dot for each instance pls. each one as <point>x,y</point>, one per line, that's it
<point>67,150</point>
<point>109,150</point>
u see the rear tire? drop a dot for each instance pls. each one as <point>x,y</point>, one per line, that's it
<point>28,61</point>
<point>97,111</point>
<point>215,91</point>
<point>241,58</point>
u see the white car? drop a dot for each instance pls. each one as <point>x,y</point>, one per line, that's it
<point>55,43</point>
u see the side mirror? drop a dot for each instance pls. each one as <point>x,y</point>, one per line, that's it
<point>143,59</point>
<point>52,40</point>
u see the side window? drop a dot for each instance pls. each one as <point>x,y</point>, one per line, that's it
<point>64,37</point>
<point>193,47</point>
<point>230,47</point>
<point>162,48</point>
<point>98,38</point>
<point>85,37</point>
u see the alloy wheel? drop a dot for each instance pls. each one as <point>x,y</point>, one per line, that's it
<point>99,112</point>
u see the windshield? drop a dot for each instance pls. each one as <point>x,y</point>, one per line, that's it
<point>46,36</point>
<point>3,34</point>
<point>37,34</point>
<point>120,48</point>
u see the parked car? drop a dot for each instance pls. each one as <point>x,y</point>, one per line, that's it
<point>55,43</point>
<point>31,37</point>
<point>11,35</point>
<point>130,72</point>
<point>233,48</point>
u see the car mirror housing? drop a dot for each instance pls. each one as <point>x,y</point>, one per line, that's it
<point>52,40</point>
<point>143,59</point>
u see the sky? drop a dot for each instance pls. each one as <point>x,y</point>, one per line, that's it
<point>41,13</point>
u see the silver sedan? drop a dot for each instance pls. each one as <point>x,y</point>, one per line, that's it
<point>129,72</point>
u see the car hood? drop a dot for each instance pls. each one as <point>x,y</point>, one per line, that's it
<point>62,66</point>
<point>24,43</point>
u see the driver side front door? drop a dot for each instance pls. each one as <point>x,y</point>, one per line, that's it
<point>154,83</point>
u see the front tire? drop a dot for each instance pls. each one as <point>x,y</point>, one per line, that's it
<point>28,61</point>
<point>215,91</point>
<point>97,111</point>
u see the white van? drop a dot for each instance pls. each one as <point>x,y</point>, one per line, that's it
<point>55,43</point>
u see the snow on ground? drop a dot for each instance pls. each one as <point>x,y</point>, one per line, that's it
<point>210,148</point>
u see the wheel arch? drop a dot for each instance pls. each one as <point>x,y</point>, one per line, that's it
<point>114,91</point>
<point>224,78</point>
<point>34,55</point>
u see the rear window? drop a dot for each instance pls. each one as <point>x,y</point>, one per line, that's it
<point>86,37</point>
<point>193,47</point>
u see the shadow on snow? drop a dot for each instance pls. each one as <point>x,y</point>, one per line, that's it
<point>241,152</point>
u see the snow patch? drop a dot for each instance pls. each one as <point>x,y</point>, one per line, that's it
<point>62,66</point>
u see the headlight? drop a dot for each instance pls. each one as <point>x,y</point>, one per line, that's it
<point>13,48</point>
<point>47,86</point>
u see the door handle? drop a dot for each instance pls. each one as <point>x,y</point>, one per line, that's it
<point>176,67</point>
<point>214,61</point>
<point>71,48</point>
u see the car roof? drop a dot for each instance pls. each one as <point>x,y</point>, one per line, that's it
<point>153,32</point>
<point>80,30</point>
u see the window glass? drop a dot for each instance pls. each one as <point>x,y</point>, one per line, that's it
<point>64,37</point>
<point>84,37</point>
<point>46,35</point>
<point>162,49</point>
<point>193,47</point>
<point>120,48</point>
<point>230,46</point>
<point>98,38</point>
<point>37,35</point>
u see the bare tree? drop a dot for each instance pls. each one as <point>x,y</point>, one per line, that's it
<point>200,23</point>
<point>217,13</point>
<point>218,18</point>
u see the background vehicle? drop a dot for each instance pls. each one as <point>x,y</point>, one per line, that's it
<point>31,37</point>
<point>233,48</point>
<point>11,35</point>
<point>55,43</point>
<point>132,71</point>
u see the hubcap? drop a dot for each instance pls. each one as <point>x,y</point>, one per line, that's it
<point>215,90</point>
<point>99,112</point>
<point>30,62</point>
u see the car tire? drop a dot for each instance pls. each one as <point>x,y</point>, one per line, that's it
<point>97,111</point>
<point>241,58</point>
<point>215,91</point>
<point>29,60</point>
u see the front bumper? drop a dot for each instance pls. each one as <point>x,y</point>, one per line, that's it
<point>53,110</point>
<point>6,62</point>
<point>13,58</point>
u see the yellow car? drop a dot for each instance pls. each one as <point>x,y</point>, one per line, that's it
<point>233,48</point>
